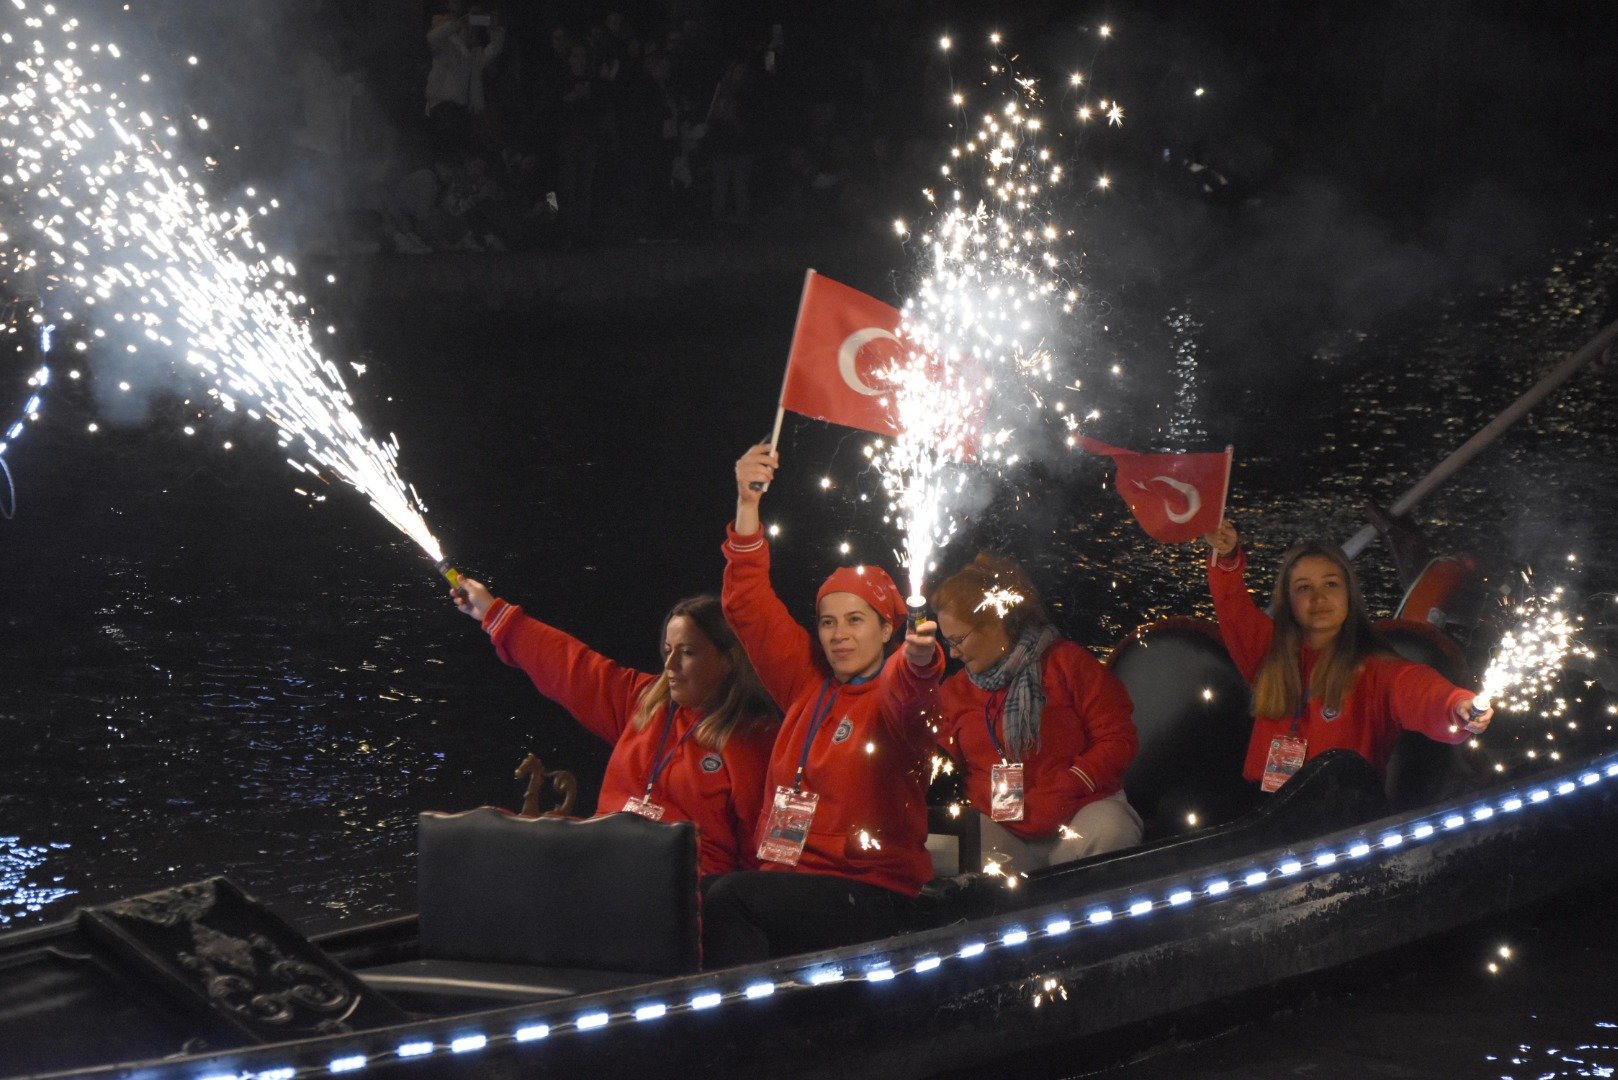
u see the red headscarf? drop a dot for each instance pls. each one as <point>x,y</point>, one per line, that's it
<point>871,584</point>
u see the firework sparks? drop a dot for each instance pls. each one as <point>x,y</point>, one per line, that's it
<point>103,214</point>
<point>977,325</point>
<point>1001,600</point>
<point>1527,663</point>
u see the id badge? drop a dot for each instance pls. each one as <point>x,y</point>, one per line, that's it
<point>1286,757</point>
<point>1006,792</point>
<point>646,808</point>
<point>787,829</point>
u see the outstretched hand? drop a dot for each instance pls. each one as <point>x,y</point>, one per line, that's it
<point>1223,540</point>
<point>472,598</point>
<point>921,644</point>
<point>1477,725</point>
<point>754,471</point>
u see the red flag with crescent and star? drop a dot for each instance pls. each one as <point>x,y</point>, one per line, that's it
<point>1175,497</point>
<point>842,343</point>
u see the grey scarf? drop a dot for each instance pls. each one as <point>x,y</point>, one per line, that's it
<point>1021,675</point>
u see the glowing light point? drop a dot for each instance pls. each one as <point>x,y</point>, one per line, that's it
<point>414,1049</point>
<point>928,963</point>
<point>707,1001</point>
<point>758,990</point>
<point>467,1043</point>
<point>352,1063</point>
<point>592,1020</point>
<point>531,1033</point>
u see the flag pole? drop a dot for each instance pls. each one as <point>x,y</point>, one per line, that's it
<point>780,408</point>
<point>1230,462</point>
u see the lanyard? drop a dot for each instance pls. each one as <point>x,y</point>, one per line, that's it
<point>827,698</point>
<point>660,760</point>
<point>990,716</point>
<point>1303,709</point>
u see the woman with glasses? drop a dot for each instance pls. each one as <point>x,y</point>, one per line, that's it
<point>1041,731</point>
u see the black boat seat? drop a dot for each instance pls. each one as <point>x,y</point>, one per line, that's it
<point>531,908</point>
<point>1421,771</point>
<point>1192,716</point>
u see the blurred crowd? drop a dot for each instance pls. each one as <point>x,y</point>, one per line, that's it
<point>609,124</point>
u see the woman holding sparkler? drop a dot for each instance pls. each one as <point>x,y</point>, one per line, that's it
<point>1041,731</point>
<point>1322,677</point>
<point>842,838</point>
<point>689,744</point>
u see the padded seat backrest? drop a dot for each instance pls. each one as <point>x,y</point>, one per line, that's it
<point>1192,715</point>
<point>1420,770</point>
<point>615,893</point>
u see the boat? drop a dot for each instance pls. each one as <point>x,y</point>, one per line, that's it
<point>528,954</point>
<point>509,969</point>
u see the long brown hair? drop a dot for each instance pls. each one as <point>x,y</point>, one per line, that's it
<point>962,596</point>
<point>1279,688</point>
<point>744,704</point>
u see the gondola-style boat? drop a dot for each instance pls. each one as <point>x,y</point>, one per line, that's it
<point>550,946</point>
<point>557,947</point>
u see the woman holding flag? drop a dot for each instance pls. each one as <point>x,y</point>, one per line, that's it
<point>688,744</point>
<point>1041,731</point>
<point>841,842</point>
<point>1322,677</point>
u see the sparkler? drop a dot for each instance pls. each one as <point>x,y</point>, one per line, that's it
<point>114,225</point>
<point>978,325</point>
<point>1527,662</point>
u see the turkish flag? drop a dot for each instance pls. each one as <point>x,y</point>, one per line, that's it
<point>842,344</point>
<point>1175,497</point>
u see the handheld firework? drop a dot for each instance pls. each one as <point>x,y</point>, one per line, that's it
<point>451,575</point>
<point>915,612</point>
<point>1529,657</point>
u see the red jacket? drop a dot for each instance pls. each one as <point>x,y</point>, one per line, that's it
<point>720,790</point>
<point>870,759</point>
<point>1087,739</point>
<point>1388,695</point>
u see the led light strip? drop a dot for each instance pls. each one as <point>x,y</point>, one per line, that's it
<point>1011,935</point>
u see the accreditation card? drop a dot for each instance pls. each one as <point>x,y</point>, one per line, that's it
<point>1006,792</point>
<point>787,829</point>
<point>1286,757</point>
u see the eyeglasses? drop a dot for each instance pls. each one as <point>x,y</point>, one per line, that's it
<point>954,644</point>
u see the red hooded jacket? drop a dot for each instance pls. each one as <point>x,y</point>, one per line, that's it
<point>869,762</point>
<point>1086,739</point>
<point>1388,695</point>
<point>721,791</point>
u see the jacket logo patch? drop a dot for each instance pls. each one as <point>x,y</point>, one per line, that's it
<point>712,763</point>
<point>844,730</point>
<point>1329,714</point>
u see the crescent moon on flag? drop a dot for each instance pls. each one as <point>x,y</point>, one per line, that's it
<point>850,349</point>
<point>1193,500</point>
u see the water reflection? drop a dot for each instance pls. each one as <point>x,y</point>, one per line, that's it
<point>22,896</point>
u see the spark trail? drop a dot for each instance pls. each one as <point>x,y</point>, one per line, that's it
<point>100,208</point>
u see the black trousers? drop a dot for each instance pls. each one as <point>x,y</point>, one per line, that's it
<point>754,915</point>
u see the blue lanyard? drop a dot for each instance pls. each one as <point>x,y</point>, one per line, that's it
<point>827,699</point>
<point>660,760</point>
<point>989,717</point>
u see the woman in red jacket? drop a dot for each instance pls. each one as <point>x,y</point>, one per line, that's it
<point>842,838</point>
<point>689,744</point>
<point>1041,731</point>
<point>1322,677</point>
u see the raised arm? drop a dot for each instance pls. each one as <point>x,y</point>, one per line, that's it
<point>599,693</point>
<point>909,685</point>
<point>1245,629</point>
<point>779,647</point>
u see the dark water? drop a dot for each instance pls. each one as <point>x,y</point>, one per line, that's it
<point>203,672</point>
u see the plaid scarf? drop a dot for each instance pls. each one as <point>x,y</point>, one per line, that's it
<point>1020,674</point>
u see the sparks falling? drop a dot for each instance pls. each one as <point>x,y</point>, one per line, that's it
<point>979,323</point>
<point>1001,600</point>
<point>100,212</point>
<point>1525,666</point>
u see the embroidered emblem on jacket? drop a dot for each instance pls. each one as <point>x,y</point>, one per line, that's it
<point>1329,714</point>
<point>844,730</point>
<point>712,763</point>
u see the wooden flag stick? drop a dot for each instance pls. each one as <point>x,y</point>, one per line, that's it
<point>780,409</point>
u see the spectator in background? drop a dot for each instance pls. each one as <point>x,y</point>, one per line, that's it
<point>578,145</point>
<point>731,140</point>
<point>462,45</point>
